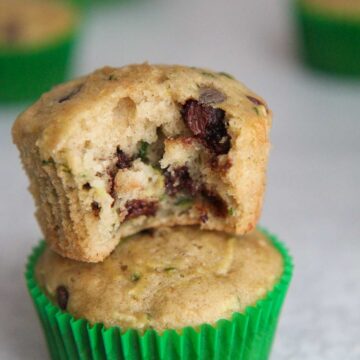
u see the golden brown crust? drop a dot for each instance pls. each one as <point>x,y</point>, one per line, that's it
<point>170,278</point>
<point>71,136</point>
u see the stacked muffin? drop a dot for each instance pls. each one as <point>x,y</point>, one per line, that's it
<point>147,180</point>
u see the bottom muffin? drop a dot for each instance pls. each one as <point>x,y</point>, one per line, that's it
<point>172,293</point>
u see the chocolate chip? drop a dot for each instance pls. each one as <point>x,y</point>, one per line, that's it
<point>123,267</point>
<point>95,207</point>
<point>217,138</point>
<point>179,180</point>
<point>209,95</point>
<point>111,187</point>
<point>62,297</point>
<point>123,161</point>
<point>217,205</point>
<point>208,125</point>
<point>137,208</point>
<point>196,116</point>
<point>148,232</point>
<point>86,186</point>
<point>255,101</point>
<point>70,94</point>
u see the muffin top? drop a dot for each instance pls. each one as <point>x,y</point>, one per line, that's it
<point>339,6</point>
<point>132,102</point>
<point>165,278</point>
<point>29,22</point>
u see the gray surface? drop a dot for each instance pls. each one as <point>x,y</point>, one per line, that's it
<point>313,197</point>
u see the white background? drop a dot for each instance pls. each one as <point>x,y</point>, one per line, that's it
<point>313,196</point>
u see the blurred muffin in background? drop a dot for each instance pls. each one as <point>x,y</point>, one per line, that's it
<point>36,41</point>
<point>329,32</point>
<point>81,4</point>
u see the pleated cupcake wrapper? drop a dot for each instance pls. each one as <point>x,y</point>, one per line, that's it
<point>330,41</point>
<point>247,336</point>
<point>27,72</point>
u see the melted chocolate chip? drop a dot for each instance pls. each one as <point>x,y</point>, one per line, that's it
<point>123,161</point>
<point>95,207</point>
<point>112,171</point>
<point>208,125</point>
<point>209,95</point>
<point>62,297</point>
<point>137,208</point>
<point>124,267</point>
<point>179,180</point>
<point>86,186</point>
<point>217,204</point>
<point>70,94</point>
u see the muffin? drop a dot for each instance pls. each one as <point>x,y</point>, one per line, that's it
<point>170,293</point>
<point>81,4</point>
<point>126,149</point>
<point>330,34</point>
<point>35,52</point>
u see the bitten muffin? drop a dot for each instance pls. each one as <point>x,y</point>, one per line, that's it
<point>31,22</point>
<point>167,278</point>
<point>125,149</point>
<point>330,34</point>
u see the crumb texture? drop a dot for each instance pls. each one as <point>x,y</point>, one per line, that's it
<point>168,278</point>
<point>125,149</point>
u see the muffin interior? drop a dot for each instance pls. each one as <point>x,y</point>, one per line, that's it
<point>174,175</point>
<point>171,166</point>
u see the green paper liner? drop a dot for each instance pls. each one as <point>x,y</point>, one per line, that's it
<point>246,336</point>
<point>329,41</point>
<point>27,72</point>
